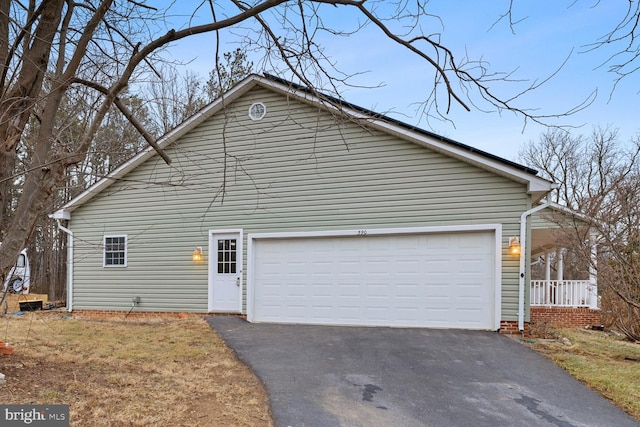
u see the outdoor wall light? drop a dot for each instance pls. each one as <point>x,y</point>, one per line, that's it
<point>196,256</point>
<point>514,245</point>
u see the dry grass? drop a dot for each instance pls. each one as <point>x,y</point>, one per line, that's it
<point>180,373</point>
<point>605,362</point>
<point>125,373</point>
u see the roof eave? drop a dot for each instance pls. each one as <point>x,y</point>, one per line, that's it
<point>163,142</point>
<point>537,187</point>
<point>61,214</point>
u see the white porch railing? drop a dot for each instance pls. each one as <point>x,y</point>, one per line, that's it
<point>560,293</point>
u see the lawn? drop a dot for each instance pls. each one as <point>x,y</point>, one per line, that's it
<point>180,373</point>
<point>129,373</point>
<point>604,361</point>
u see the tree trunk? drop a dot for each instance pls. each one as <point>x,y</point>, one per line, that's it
<point>16,107</point>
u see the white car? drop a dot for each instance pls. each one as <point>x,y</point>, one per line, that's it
<point>19,277</point>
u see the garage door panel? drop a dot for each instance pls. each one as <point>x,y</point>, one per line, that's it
<point>434,280</point>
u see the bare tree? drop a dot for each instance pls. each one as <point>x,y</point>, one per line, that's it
<point>115,142</point>
<point>174,96</point>
<point>621,43</point>
<point>625,61</point>
<point>55,51</point>
<point>236,68</point>
<point>599,178</point>
<point>588,169</point>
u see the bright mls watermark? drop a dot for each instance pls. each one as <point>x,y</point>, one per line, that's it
<point>34,415</point>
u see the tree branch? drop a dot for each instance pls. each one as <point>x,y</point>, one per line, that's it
<point>130,117</point>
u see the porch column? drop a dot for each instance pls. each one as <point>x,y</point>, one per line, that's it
<point>593,272</point>
<point>560,290</point>
<point>547,266</point>
<point>560,254</point>
<point>547,277</point>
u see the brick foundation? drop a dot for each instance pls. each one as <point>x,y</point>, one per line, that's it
<point>566,317</point>
<point>511,328</point>
<point>139,315</point>
<point>561,317</point>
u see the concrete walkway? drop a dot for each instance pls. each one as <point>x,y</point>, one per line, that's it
<point>344,376</point>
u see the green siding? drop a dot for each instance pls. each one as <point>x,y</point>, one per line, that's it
<point>552,218</point>
<point>298,169</point>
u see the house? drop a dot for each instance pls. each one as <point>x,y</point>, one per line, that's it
<point>286,206</point>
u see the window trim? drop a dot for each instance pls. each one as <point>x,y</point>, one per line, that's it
<point>104,250</point>
<point>256,117</point>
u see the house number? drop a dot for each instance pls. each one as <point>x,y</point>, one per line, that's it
<point>362,232</point>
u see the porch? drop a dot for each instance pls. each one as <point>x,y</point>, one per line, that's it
<point>546,291</point>
<point>572,285</point>
<point>563,289</point>
<point>563,293</point>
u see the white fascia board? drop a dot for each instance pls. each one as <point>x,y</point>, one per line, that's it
<point>536,186</point>
<point>61,214</point>
<point>539,190</point>
<point>375,231</point>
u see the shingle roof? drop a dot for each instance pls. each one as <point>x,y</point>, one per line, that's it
<point>409,127</point>
<point>536,186</point>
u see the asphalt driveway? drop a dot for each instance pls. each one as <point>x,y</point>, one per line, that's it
<point>344,376</point>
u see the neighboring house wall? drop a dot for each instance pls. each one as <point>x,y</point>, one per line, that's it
<point>298,169</point>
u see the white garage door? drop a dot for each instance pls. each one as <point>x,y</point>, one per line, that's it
<point>430,280</point>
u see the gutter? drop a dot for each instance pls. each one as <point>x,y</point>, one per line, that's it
<point>70,261</point>
<point>523,254</point>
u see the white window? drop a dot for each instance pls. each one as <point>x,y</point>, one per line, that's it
<point>227,256</point>
<point>115,251</point>
<point>257,111</point>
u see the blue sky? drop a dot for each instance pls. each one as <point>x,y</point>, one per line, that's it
<point>551,31</point>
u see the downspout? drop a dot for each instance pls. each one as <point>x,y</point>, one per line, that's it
<point>70,266</point>
<point>523,254</point>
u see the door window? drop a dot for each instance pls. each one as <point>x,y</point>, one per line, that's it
<point>227,256</point>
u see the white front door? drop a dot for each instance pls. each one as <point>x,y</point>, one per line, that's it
<point>225,272</point>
